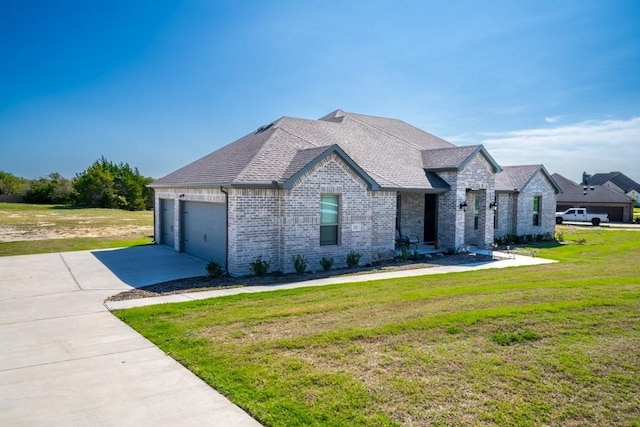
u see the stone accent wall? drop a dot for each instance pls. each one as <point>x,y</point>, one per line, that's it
<point>211,195</point>
<point>537,186</point>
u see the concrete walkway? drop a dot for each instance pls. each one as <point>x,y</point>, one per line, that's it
<point>503,260</point>
<point>66,361</point>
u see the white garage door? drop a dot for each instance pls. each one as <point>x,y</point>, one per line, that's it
<point>167,215</point>
<point>204,231</point>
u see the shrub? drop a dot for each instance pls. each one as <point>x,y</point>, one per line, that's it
<point>404,253</point>
<point>300,264</point>
<point>260,267</point>
<point>353,259</point>
<point>326,263</point>
<point>214,269</point>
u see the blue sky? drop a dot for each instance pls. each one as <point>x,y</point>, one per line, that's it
<point>158,84</point>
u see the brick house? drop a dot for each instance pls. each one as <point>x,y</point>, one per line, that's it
<point>344,182</point>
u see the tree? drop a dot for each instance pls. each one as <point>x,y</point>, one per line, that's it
<point>52,189</point>
<point>12,185</point>
<point>108,185</point>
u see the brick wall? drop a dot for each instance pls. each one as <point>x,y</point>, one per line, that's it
<point>253,229</point>
<point>537,186</point>
<point>456,226</point>
<point>412,214</point>
<point>279,224</point>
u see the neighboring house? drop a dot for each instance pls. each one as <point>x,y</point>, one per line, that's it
<point>595,198</point>
<point>346,182</point>
<point>526,201</point>
<point>616,181</point>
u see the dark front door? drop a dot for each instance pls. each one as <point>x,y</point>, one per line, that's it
<point>430,217</point>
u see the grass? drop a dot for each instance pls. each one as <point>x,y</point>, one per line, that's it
<point>30,229</point>
<point>555,344</point>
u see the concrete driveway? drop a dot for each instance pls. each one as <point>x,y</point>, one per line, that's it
<point>66,361</point>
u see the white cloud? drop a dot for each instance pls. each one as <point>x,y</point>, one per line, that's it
<point>552,119</point>
<point>592,146</point>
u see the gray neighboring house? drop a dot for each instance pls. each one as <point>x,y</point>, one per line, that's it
<point>595,198</point>
<point>616,181</point>
<point>346,182</point>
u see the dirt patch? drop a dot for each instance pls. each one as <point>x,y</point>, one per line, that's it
<point>45,232</point>
<point>204,283</point>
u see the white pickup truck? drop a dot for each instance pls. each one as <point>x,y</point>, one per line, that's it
<point>580,214</point>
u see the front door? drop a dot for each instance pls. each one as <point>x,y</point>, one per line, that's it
<point>430,217</point>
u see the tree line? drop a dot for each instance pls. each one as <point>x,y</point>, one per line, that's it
<point>104,184</point>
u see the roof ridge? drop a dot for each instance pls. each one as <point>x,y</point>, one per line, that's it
<point>411,144</point>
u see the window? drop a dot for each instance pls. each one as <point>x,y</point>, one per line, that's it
<point>329,219</point>
<point>537,204</point>
<point>476,213</point>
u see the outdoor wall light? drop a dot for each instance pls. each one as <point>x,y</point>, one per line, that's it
<point>493,205</point>
<point>463,205</point>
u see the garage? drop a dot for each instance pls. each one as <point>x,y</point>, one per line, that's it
<point>204,230</point>
<point>167,217</point>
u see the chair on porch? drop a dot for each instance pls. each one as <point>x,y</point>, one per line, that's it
<point>406,241</point>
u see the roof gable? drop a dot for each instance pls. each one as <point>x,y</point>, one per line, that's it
<point>515,178</point>
<point>625,183</point>
<point>306,160</point>
<point>455,158</point>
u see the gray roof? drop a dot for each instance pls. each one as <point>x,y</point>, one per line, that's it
<point>618,178</point>
<point>515,178</point>
<point>454,158</point>
<point>574,193</point>
<point>387,153</point>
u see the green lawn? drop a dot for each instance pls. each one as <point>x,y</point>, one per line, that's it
<point>556,344</point>
<point>29,229</point>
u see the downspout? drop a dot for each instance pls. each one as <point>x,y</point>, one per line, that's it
<point>226,234</point>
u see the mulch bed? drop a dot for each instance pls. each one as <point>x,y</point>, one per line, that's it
<point>204,283</point>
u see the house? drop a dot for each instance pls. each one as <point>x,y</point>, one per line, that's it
<point>595,198</point>
<point>345,182</point>
<point>528,195</point>
<point>615,181</point>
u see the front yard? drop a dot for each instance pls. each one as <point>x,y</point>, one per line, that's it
<point>554,344</point>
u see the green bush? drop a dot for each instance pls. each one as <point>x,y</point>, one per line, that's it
<point>260,267</point>
<point>300,264</point>
<point>353,259</point>
<point>326,263</point>
<point>404,254</point>
<point>214,269</point>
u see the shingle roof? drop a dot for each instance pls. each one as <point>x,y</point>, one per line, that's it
<point>393,153</point>
<point>574,193</point>
<point>454,158</point>
<point>618,178</point>
<point>515,178</point>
